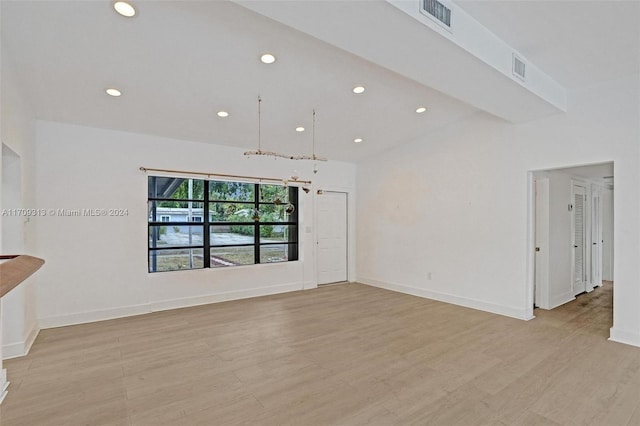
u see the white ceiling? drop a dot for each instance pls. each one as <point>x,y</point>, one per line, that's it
<point>178,62</point>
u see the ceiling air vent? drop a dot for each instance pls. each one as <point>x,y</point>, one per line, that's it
<point>518,67</point>
<point>437,10</point>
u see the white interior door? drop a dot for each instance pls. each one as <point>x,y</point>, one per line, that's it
<point>332,237</point>
<point>579,236</point>
<point>596,239</point>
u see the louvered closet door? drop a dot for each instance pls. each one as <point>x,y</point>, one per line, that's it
<point>596,239</point>
<point>579,228</point>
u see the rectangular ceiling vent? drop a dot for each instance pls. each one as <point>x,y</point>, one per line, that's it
<point>436,10</point>
<point>519,67</point>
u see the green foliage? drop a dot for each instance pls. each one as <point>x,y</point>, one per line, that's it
<point>232,191</point>
<point>275,197</point>
<point>266,231</point>
<point>274,193</point>
<point>242,229</point>
<point>197,190</point>
<point>230,212</point>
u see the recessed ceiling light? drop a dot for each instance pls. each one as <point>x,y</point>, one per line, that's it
<point>358,89</point>
<point>124,9</point>
<point>268,58</point>
<point>358,140</point>
<point>223,114</point>
<point>420,110</point>
<point>113,92</point>
<point>299,129</point>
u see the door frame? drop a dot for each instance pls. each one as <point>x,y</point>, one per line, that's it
<point>608,196</point>
<point>541,242</point>
<point>596,237</point>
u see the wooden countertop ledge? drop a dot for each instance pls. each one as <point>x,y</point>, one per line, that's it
<point>16,268</point>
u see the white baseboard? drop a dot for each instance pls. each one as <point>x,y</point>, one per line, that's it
<point>556,301</point>
<point>18,349</point>
<point>624,336</point>
<point>223,297</point>
<point>4,384</point>
<point>163,305</point>
<point>308,285</point>
<point>494,308</point>
<point>92,316</point>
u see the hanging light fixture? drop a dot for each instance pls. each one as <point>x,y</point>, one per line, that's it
<point>313,157</point>
<point>313,139</point>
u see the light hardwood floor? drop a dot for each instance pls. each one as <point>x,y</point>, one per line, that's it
<point>339,355</point>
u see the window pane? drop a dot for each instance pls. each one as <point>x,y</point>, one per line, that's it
<point>274,253</point>
<point>231,212</point>
<point>231,191</point>
<point>231,256</point>
<point>277,213</point>
<point>175,211</point>
<point>232,234</point>
<point>278,233</point>
<point>276,194</point>
<point>173,260</point>
<point>176,188</point>
<point>175,235</point>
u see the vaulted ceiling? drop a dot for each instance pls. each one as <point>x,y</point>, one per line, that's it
<point>177,63</point>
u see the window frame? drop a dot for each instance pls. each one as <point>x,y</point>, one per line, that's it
<point>154,222</point>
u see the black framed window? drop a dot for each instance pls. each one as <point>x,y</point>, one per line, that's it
<point>196,223</point>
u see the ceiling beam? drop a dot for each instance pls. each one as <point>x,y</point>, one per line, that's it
<point>468,63</point>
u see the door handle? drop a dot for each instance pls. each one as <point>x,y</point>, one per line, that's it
<point>595,244</point>
<point>575,246</point>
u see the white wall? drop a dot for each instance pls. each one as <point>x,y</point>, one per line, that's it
<point>14,303</point>
<point>455,206</point>
<point>19,317</point>
<point>12,226</point>
<point>97,266</point>
<point>449,212</point>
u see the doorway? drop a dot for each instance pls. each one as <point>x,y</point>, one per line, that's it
<point>332,243</point>
<point>571,232</point>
